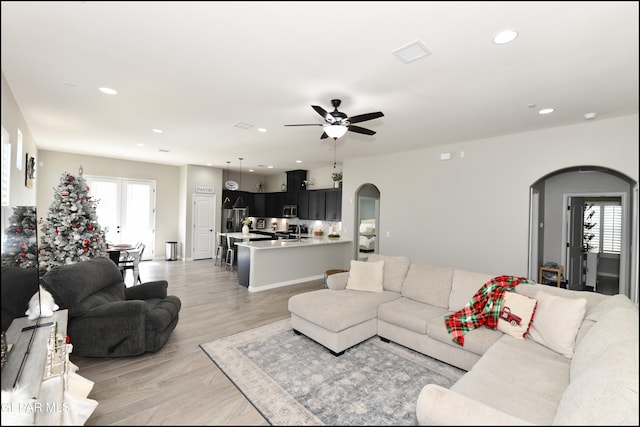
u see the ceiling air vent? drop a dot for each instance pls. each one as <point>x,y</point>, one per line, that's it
<point>243,125</point>
<point>412,52</point>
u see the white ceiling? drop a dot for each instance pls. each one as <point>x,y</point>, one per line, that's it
<point>194,69</point>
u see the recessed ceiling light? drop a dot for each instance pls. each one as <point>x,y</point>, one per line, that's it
<point>589,116</point>
<point>298,161</point>
<point>108,91</point>
<point>546,111</point>
<point>262,130</point>
<point>269,167</point>
<point>158,130</point>
<point>506,36</point>
<point>140,145</point>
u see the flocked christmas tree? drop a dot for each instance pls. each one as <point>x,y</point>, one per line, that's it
<point>71,232</point>
<point>20,245</point>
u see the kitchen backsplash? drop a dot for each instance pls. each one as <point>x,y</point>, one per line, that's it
<point>282,224</point>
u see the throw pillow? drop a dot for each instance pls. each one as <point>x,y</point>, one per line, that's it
<point>516,314</point>
<point>366,276</point>
<point>557,322</point>
<point>395,270</point>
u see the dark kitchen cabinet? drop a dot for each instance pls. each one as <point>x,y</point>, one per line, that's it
<point>333,205</point>
<point>295,180</point>
<point>323,204</point>
<point>259,205</point>
<point>273,202</point>
<point>272,206</point>
<point>303,205</point>
<point>288,198</point>
<point>316,204</point>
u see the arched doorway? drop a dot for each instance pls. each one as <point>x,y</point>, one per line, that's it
<point>367,221</point>
<point>561,229</point>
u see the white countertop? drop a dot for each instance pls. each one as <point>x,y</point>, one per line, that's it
<point>239,235</point>
<point>277,244</point>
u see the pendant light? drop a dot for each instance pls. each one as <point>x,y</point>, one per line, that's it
<point>239,203</point>
<point>226,204</point>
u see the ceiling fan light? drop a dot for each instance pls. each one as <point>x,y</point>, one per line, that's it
<point>335,131</point>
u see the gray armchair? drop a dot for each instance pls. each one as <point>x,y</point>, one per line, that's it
<point>18,286</point>
<point>107,319</point>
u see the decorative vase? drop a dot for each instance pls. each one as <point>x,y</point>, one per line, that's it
<point>245,230</point>
<point>336,184</point>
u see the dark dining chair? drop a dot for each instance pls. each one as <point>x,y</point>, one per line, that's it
<point>114,255</point>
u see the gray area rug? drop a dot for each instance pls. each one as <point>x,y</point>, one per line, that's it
<point>292,380</point>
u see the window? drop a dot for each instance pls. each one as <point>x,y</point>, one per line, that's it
<point>6,167</point>
<point>19,151</point>
<point>603,226</point>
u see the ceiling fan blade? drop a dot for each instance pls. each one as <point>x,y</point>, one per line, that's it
<point>308,124</point>
<point>328,117</point>
<point>364,117</point>
<point>324,135</point>
<point>358,129</point>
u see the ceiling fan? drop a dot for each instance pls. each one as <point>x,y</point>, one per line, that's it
<point>337,122</point>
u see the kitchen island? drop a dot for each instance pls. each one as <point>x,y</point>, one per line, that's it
<point>271,264</point>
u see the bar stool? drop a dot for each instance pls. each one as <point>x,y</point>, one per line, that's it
<point>221,248</point>
<point>231,253</point>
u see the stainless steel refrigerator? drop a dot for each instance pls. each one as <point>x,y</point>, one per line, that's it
<point>232,219</point>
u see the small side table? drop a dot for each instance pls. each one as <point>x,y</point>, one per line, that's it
<point>558,271</point>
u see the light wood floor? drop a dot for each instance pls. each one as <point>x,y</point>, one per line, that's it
<point>179,384</point>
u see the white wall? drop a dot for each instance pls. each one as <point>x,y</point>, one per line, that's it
<point>12,121</point>
<point>473,212</point>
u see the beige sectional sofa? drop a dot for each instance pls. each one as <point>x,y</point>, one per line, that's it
<point>581,369</point>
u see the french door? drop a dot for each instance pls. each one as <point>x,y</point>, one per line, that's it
<point>126,210</point>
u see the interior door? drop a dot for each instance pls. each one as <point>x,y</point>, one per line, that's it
<point>203,226</point>
<point>575,249</point>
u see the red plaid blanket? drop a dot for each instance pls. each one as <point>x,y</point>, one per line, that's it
<point>483,309</point>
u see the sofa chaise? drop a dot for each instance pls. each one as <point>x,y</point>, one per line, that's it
<point>574,360</point>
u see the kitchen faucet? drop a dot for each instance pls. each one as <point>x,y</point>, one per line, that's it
<point>298,237</point>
